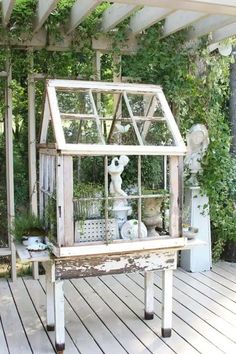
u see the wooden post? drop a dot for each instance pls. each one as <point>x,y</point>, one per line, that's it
<point>50,296</point>
<point>167,289</point>
<point>32,154</point>
<point>10,169</point>
<point>174,196</point>
<point>68,201</point>
<point>149,295</point>
<point>59,316</point>
<point>60,201</point>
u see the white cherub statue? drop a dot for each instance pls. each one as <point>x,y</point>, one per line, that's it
<point>121,209</point>
<point>197,143</point>
<point>115,170</point>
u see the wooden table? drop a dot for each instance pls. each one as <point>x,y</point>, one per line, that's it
<point>57,269</point>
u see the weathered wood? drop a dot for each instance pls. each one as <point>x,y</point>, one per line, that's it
<point>44,9</point>
<point>120,246</point>
<point>115,14</point>
<point>59,316</point>
<point>113,150</point>
<point>10,167</point>
<point>174,226</point>
<point>60,200</point>
<point>32,146</point>
<point>167,289</point>
<point>7,7</point>
<point>77,267</point>
<point>55,115</point>
<point>49,267</point>
<point>68,201</point>
<point>104,86</point>
<point>149,295</point>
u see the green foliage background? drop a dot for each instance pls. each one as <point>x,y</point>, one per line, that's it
<point>196,84</point>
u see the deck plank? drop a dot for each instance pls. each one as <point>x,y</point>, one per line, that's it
<point>95,326</point>
<point>119,330</point>
<point>37,337</point>
<point>183,327</point>
<point>3,343</point>
<point>224,273</point>
<point>219,298</point>
<point>105,315</point>
<point>179,326</point>
<point>226,336</point>
<point>12,326</point>
<point>76,329</point>
<point>205,301</point>
<point>140,330</point>
<point>38,296</point>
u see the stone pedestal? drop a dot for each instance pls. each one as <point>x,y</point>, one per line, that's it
<point>196,207</point>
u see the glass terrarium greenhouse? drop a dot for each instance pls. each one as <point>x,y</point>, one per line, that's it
<point>110,180</point>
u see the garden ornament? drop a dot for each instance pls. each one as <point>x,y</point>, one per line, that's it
<point>121,209</point>
<point>197,143</point>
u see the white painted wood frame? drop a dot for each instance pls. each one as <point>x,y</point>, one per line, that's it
<point>32,147</point>
<point>60,200</point>
<point>167,290</point>
<point>44,9</point>
<point>55,116</point>
<point>149,295</point>
<point>115,14</point>
<point>68,200</point>
<point>10,168</point>
<point>59,316</point>
<point>226,7</point>
<point>147,17</point>
<point>174,185</point>
<point>180,19</point>
<point>49,268</point>
<point>7,7</point>
<point>209,24</point>
<point>80,10</point>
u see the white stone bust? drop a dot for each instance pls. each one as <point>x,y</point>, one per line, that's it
<point>197,143</point>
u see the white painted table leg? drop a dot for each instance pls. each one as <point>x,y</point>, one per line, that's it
<point>167,289</point>
<point>149,295</point>
<point>50,299</point>
<point>59,316</point>
<point>35,269</point>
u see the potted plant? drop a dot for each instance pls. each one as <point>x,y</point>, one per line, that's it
<point>28,229</point>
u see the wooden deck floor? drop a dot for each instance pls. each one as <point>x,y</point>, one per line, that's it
<point>105,315</point>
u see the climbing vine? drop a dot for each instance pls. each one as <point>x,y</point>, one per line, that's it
<point>195,82</point>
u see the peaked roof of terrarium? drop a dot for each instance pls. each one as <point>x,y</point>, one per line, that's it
<point>104,118</point>
<point>200,17</point>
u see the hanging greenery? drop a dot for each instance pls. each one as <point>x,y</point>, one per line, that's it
<point>195,82</point>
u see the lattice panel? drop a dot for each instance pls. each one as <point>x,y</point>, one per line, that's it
<point>94,230</point>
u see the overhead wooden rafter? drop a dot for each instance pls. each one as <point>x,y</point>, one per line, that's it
<point>147,17</point>
<point>44,9</point>
<point>80,10</point>
<point>227,7</point>
<point>224,32</point>
<point>210,24</point>
<point>7,7</point>
<point>115,14</point>
<point>180,19</point>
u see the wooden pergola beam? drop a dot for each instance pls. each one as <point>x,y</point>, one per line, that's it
<point>180,19</point>
<point>80,10</point>
<point>44,9</point>
<point>210,24</point>
<point>147,17</point>
<point>7,7</point>
<point>115,14</point>
<point>223,33</point>
<point>226,7</point>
